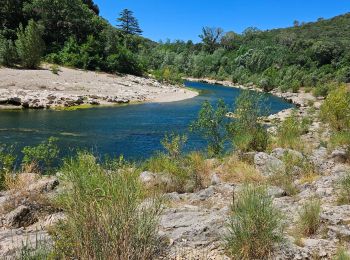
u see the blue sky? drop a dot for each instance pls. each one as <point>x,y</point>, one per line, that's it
<point>183,19</point>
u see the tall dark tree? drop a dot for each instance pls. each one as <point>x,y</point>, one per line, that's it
<point>211,38</point>
<point>128,23</point>
<point>92,6</point>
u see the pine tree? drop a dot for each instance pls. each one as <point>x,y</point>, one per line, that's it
<point>30,45</point>
<point>128,23</point>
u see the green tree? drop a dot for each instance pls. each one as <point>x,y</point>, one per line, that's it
<point>248,134</point>
<point>211,124</point>
<point>128,23</point>
<point>211,37</point>
<point>30,45</point>
<point>8,54</point>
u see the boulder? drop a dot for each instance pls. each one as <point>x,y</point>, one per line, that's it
<point>20,217</point>
<point>340,155</point>
<point>268,164</point>
<point>280,152</point>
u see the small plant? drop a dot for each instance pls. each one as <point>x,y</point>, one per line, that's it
<point>173,144</point>
<point>234,170</point>
<point>106,214</point>
<point>7,160</point>
<point>42,156</point>
<point>55,69</point>
<point>255,225</point>
<point>289,132</point>
<point>344,185</point>
<point>342,254</point>
<point>309,217</point>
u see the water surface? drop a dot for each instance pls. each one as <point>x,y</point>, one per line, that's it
<point>133,130</point>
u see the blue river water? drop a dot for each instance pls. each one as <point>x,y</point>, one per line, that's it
<point>133,130</point>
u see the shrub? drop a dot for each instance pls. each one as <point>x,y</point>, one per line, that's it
<point>211,124</point>
<point>255,226</point>
<point>42,156</point>
<point>8,54</point>
<point>289,132</point>
<point>54,69</point>
<point>336,110</point>
<point>199,170</point>
<point>344,186</point>
<point>342,254</point>
<point>173,144</point>
<point>30,45</point>
<point>107,217</point>
<point>309,217</point>
<point>7,160</point>
<point>247,132</point>
<point>235,170</point>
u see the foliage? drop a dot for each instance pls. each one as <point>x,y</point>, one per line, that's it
<point>211,38</point>
<point>336,110</point>
<point>344,187</point>
<point>255,225</point>
<point>342,254</point>
<point>290,130</point>
<point>30,45</point>
<point>54,69</point>
<point>128,23</point>
<point>106,216</point>
<point>173,144</point>
<point>8,53</point>
<point>7,160</point>
<point>43,155</point>
<point>309,217</point>
<point>248,133</point>
<point>167,75</point>
<point>211,125</point>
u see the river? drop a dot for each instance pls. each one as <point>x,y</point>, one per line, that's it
<point>132,130</point>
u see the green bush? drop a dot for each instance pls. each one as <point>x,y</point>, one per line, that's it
<point>290,130</point>
<point>248,134</point>
<point>309,217</point>
<point>7,161</point>
<point>255,225</point>
<point>336,110</point>
<point>211,124</point>
<point>8,54</point>
<point>42,155</point>
<point>173,144</point>
<point>106,214</point>
<point>30,45</point>
<point>344,186</point>
<point>342,254</point>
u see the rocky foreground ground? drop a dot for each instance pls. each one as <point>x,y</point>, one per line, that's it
<point>194,223</point>
<point>70,87</point>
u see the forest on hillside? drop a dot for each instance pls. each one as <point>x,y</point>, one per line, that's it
<point>71,33</point>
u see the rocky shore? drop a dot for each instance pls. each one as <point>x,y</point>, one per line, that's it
<point>70,87</point>
<point>194,223</point>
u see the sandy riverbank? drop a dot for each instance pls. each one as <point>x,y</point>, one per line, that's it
<point>44,89</point>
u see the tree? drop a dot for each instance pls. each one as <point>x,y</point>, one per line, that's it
<point>211,36</point>
<point>92,6</point>
<point>30,45</point>
<point>128,23</point>
<point>230,41</point>
<point>248,134</point>
<point>211,124</point>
